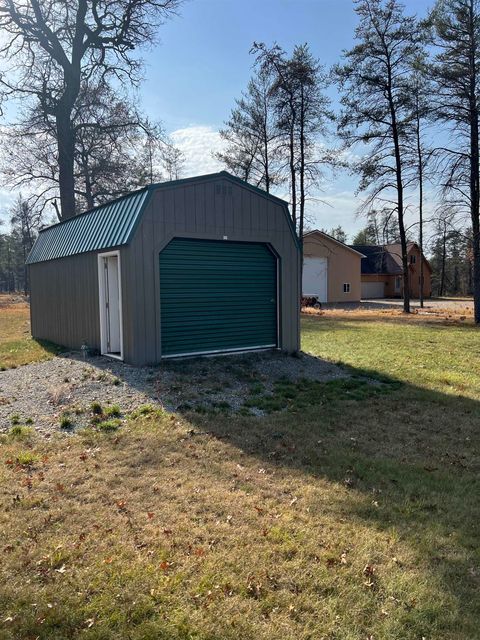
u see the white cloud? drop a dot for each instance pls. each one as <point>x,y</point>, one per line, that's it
<point>199,143</point>
<point>336,206</point>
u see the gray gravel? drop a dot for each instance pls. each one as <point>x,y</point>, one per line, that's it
<point>44,391</point>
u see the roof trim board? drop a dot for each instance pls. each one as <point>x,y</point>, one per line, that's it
<point>339,242</point>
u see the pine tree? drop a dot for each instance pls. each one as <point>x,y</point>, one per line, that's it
<point>302,116</point>
<point>252,136</point>
<point>376,110</point>
<point>455,71</point>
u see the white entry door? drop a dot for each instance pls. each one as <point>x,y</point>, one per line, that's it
<point>110,297</point>
<point>314,283</point>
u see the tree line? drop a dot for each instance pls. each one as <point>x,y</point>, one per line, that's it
<point>407,120</point>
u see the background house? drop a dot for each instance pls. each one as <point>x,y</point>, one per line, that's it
<point>382,271</point>
<point>200,265</point>
<point>331,269</point>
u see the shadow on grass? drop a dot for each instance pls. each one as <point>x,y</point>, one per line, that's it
<point>406,460</point>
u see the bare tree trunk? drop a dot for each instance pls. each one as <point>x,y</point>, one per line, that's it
<point>301,222</point>
<point>66,152</point>
<point>444,259</point>
<point>266,150</point>
<point>420,199</point>
<point>474,166</point>
<point>476,274</point>
<point>293,173</point>
<point>399,183</point>
<point>302,167</point>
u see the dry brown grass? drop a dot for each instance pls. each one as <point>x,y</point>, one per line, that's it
<point>161,532</point>
<point>16,344</point>
<point>458,314</point>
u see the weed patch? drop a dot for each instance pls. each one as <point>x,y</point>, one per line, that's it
<point>297,396</point>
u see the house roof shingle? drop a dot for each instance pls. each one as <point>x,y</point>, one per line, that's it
<point>377,260</point>
<point>384,259</point>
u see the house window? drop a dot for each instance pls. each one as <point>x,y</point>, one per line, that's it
<point>413,259</point>
<point>346,287</point>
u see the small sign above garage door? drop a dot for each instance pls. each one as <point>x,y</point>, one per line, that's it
<point>217,296</point>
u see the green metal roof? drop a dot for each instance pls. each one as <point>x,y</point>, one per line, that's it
<point>113,224</point>
<point>110,225</point>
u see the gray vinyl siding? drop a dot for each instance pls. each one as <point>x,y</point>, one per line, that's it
<point>197,210</point>
<point>64,301</point>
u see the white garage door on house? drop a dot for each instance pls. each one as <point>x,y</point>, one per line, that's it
<point>373,290</point>
<point>315,272</point>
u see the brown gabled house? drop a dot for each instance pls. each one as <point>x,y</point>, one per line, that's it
<point>382,271</point>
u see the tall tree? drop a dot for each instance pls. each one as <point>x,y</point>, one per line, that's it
<point>116,150</point>
<point>455,71</point>
<point>172,159</point>
<point>251,135</point>
<point>451,256</point>
<point>54,47</point>
<point>15,245</point>
<point>25,221</point>
<point>420,94</point>
<point>376,110</point>
<point>302,112</point>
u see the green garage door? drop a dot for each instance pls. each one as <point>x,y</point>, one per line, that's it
<point>217,296</point>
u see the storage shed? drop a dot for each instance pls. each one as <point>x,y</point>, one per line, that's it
<point>194,266</point>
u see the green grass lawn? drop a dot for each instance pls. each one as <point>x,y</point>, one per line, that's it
<point>350,511</point>
<point>437,356</point>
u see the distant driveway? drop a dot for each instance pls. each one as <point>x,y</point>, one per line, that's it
<point>431,304</point>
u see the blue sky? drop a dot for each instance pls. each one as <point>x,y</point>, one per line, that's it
<point>202,64</point>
